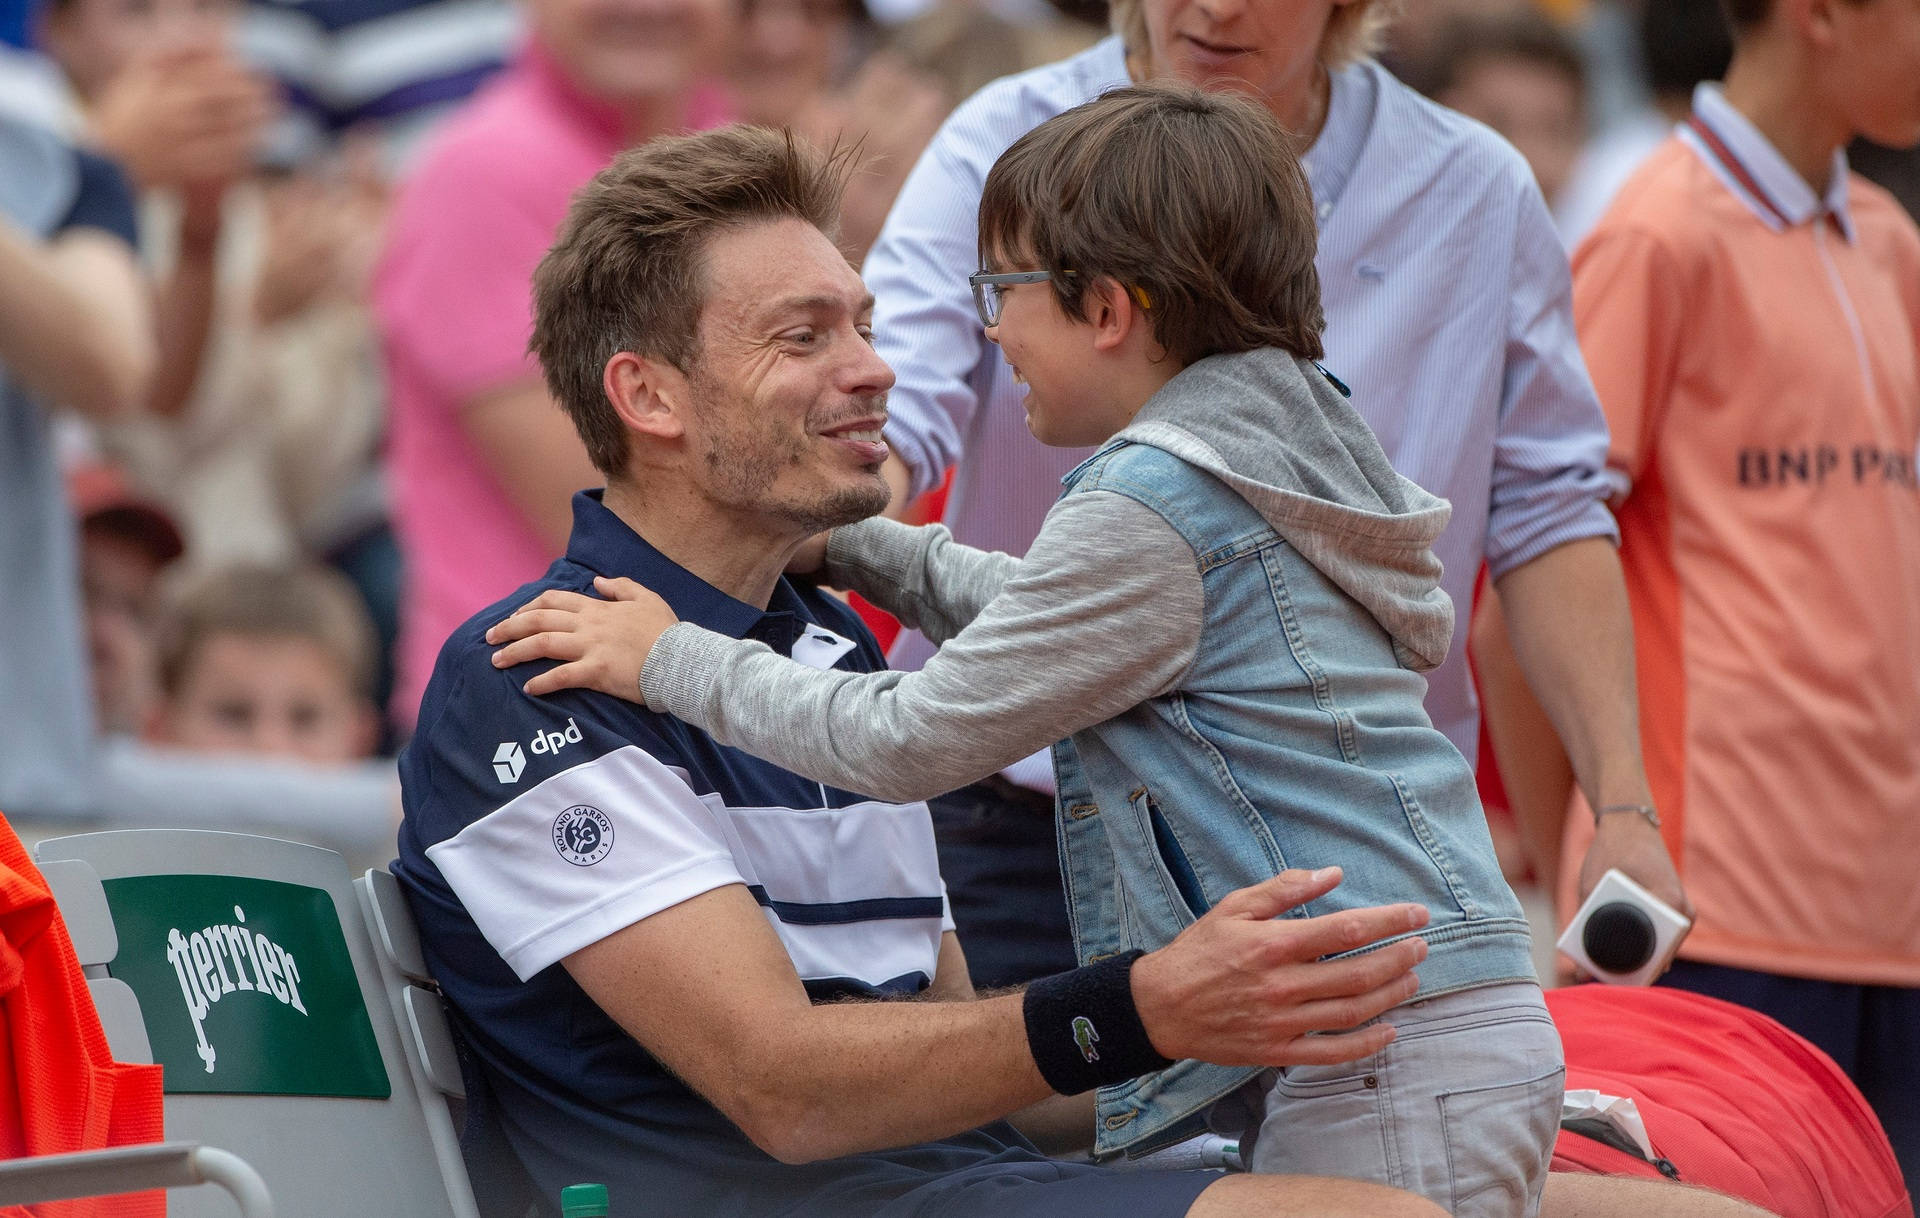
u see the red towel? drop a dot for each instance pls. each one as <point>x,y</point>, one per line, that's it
<point>60,1089</point>
<point>1731,1098</point>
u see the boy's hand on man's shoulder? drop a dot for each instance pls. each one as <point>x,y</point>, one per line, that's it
<point>602,644</point>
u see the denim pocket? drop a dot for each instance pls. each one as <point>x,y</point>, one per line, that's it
<point>1173,860</point>
<point>1499,1141</point>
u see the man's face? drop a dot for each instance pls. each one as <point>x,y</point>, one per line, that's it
<point>1264,48</point>
<point>1878,79</point>
<point>788,394</point>
<point>786,55</point>
<point>629,51</point>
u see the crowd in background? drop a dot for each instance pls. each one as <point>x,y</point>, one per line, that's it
<point>298,437</point>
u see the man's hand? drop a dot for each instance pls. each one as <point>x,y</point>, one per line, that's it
<point>1239,987</point>
<point>1627,840</point>
<point>603,643</point>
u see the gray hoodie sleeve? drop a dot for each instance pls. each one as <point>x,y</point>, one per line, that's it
<point>921,575</point>
<point>1102,614</point>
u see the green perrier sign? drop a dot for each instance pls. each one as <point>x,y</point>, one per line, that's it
<point>246,986</point>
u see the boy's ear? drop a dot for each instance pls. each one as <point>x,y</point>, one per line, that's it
<point>650,395</point>
<point>1113,311</point>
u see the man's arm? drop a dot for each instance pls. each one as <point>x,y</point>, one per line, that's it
<point>1573,636</point>
<point>804,1082</point>
<point>533,452</point>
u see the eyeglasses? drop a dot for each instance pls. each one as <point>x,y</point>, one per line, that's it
<point>988,288</point>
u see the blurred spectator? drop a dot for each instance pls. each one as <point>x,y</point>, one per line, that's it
<point>125,544</point>
<point>1521,75</point>
<point>74,332</point>
<point>268,408</point>
<point>791,53</point>
<point>385,70</point>
<point>1749,309</point>
<point>269,662</point>
<point>1681,43</point>
<point>483,464</point>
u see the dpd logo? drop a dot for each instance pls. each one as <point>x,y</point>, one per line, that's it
<point>583,835</point>
<point>510,761</point>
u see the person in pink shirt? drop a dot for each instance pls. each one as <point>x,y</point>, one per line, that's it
<point>482,463</point>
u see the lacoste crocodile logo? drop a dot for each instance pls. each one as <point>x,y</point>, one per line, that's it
<point>1084,1036</point>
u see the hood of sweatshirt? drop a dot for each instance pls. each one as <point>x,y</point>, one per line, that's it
<point>1278,431</point>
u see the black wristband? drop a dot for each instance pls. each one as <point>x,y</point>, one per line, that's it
<point>1084,1030</point>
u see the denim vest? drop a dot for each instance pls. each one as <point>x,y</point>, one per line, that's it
<point>1297,739</point>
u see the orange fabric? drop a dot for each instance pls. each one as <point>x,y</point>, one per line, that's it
<point>1731,1098</point>
<point>1763,391</point>
<point>60,1089</point>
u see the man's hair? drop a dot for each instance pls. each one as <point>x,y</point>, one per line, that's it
<point>1466,42</point>
<point>1353,30</point>
<point>627,273</point>
<point>259,601</point>
<point>1195,199</point>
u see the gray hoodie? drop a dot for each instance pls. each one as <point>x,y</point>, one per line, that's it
<point>1103,613</point>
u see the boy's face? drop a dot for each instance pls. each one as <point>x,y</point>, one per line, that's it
<point>268,696</point>
<point>1877,48</point>
<point>1052,354</point>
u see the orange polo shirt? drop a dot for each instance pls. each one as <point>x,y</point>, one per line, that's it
<point>1755,349</point>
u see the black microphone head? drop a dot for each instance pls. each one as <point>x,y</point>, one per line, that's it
<point>1618,937</point>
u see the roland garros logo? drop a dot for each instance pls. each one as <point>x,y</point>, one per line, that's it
<point>583,835</point>
<point>215,961</point>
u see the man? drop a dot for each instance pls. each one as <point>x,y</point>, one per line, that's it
<point>482,464</point>
<point>650,940</point>
<point>1447,312</point>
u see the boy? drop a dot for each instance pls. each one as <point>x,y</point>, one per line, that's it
<point>272,662</point>
<point>1226,612</point>
<point>1750,310</point>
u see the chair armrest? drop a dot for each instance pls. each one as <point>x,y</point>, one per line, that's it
<point>130,1169</point>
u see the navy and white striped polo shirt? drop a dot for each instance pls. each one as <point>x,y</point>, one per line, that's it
<point>537,826</point>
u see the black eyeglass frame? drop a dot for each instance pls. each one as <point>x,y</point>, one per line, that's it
<point>986,285</point>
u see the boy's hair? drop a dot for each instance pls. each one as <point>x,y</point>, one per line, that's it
<point>1353,30</point>
<point>627,271</point>
<point>1530,37</point>
<point>1195,199</point>
<point>301,601</point>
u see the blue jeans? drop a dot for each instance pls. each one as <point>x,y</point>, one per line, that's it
<point>1462,1108</point>
<point>1871,1031</point>
<point>1002,867</point>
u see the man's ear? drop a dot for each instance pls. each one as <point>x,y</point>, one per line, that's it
<point>1113,312</point>
<point>650,395</point>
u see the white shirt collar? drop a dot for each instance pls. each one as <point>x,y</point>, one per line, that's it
<point>1758,174</point>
